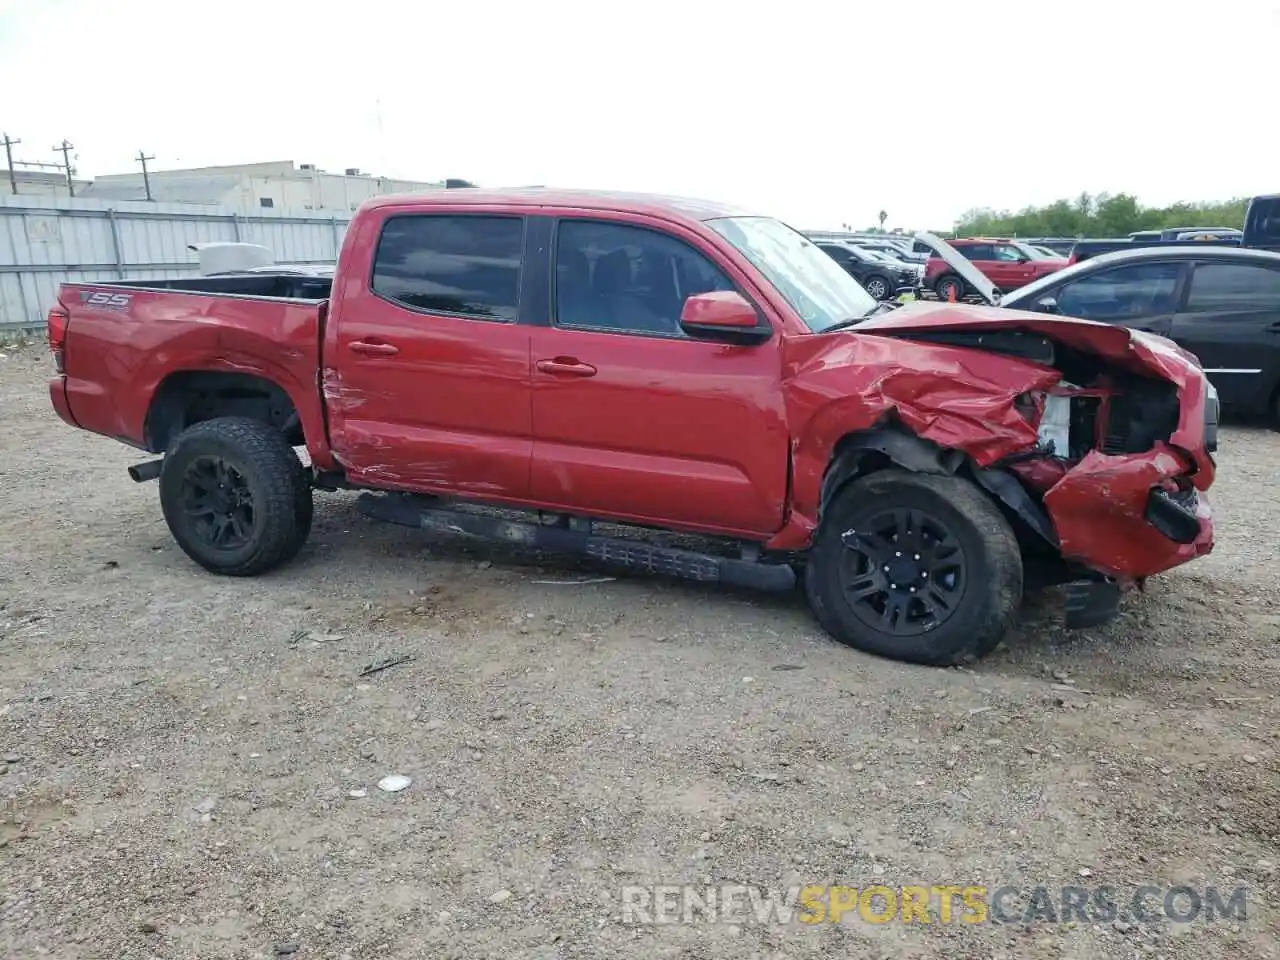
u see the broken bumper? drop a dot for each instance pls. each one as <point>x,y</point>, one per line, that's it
<point>1130,517</point>
<point>1178,528</point>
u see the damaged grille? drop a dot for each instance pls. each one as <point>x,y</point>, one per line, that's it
<point>1140,415</point>
<point>1120,418</point>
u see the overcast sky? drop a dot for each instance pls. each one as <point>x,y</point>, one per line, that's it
<point>820,113</point>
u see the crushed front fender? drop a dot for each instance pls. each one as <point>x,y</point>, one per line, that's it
<point>964,398</point>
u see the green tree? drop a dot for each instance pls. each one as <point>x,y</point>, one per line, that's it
<point>1104,215</point>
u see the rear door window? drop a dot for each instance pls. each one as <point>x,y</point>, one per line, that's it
<point>1122,293</point>
<point>1233,288</point>
<point>462,265</point>
<point>977,251</point>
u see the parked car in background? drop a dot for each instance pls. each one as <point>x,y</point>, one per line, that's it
<point>1088,248</point>
<point>1188,233</point>
<point>1008,264</point>
<point>895,249</point>
<point>1221,304</point>
<point>1262,223</point>
<point>1059,245</point>
<point>881,278</point>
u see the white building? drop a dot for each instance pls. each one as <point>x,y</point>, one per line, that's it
<point>273,185</point>
<point>38,183</point>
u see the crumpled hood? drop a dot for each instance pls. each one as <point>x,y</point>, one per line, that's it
<point>965,398</point>
<point>1137,351</point>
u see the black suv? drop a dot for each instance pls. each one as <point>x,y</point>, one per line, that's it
<point>883,279</point>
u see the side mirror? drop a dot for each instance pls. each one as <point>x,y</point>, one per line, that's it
<point>1047,305</point>
<point>723,315</point>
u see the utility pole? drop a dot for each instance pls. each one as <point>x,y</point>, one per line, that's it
<point>142,158</point>
<point>9,144</point>
<point>65,148</point>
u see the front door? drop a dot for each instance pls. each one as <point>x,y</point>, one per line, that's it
<point>632,418</point>
<point>426,377</point>
<point>1141,296</point>
<point>1011,266</point>
<point>1231,321</point>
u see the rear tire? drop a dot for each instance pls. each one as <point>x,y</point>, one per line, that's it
<point>235,496</point>
<point>947,283</point>
<point>954,581</point>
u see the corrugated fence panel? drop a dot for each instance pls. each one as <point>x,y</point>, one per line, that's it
<point>45,241</point>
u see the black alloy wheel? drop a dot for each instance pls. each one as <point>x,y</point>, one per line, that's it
<point>904,573</point>
<point>218,500</point>
<point>916,567</point>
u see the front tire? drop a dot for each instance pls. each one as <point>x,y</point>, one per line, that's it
<point>947,284</point>
<point>879,287</point>
<point>915,567</point>
<point>235,496</point>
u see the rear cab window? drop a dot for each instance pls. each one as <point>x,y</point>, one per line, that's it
<point>465,265</point>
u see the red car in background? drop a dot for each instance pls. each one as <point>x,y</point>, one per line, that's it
<point>1008,264</point>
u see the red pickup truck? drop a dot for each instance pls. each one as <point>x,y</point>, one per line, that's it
<point>611,364</point>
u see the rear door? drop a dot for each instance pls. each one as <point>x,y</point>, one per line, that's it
<point>634,419</point>
<point>426,372</point>
<point>982,256</point>
<point>1231,321</point>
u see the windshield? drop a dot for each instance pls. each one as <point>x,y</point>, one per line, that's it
<point>890,253</point>
<point>1028,251</point>
<point>879,254</point>
<point>815,285</point>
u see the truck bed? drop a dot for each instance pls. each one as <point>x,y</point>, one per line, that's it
<point>127,341</point>
<point>277,286</point>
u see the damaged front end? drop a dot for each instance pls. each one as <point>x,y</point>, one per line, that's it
<point>1096,437</point>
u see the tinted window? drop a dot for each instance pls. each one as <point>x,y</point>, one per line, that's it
<point>624,278</point>
<point>1233,287</point>
<point>1137,290</point>
<point>841,254</point>
<point>977,251</point>
<point>451,264</point>
<point>1263,222</point>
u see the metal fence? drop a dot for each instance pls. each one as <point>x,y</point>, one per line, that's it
<point>45,241</point>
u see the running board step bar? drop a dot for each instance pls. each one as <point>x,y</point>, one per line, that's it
<point>615,551</point>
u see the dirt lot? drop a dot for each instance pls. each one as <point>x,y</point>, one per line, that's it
<point>182,749</point>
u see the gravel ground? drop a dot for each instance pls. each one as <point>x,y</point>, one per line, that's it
<point>182,749</point>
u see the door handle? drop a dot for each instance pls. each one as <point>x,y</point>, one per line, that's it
<point>567,366</point>
<point>373,349</point>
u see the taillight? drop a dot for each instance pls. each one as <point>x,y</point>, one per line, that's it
<point>57,328</point>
